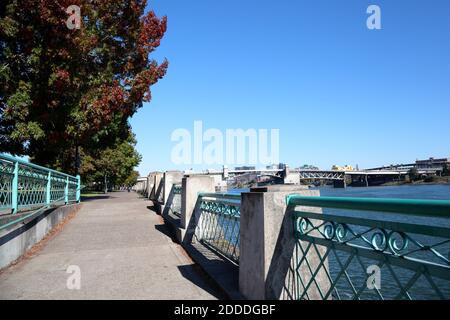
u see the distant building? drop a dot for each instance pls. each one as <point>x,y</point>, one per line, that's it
<point>432,163</point>
<point>245,168</point>
<point>308,167</point>
<point>276,166</point>
<point>342,168</point>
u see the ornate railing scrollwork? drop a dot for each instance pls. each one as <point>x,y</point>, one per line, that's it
<point>414,258</point>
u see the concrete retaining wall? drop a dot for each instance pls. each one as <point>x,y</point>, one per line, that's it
<point>15,241</point>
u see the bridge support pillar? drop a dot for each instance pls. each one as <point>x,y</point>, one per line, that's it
<point>339,183</point>
<point>267,242</point>
<point>225,173</point>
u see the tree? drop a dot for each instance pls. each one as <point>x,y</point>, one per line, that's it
<point>65,91</point>
<point>132,179</point>
<point>445,170</point>
<point>113,165</point>
<point>413,174</point>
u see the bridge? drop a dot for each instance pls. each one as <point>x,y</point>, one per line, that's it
<point>295,176</point>
<point>341,176</point>
<point>385,173</point>
<point>175,237</point>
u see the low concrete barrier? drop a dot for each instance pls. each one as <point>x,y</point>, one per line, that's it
<point>16,240</point>
<point>266,241</point>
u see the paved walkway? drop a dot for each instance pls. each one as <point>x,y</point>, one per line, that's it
<point>123,251</point>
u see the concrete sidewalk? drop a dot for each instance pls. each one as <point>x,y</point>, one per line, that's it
<point>123,251</point>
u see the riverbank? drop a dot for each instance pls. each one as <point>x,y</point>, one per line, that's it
<point>427,181</point>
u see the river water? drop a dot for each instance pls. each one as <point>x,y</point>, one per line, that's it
<point>392,278</point>
<point>390,288</point>
<point>422,191</point>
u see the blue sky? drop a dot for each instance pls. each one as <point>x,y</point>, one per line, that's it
<point>339,92</point>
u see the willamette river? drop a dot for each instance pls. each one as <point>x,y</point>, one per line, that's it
<point>437,191</point>
<point>422,288</point>
<point>390,285</point>
<point>434,192</point>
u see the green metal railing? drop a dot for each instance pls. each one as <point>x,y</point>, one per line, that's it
<point>25,186</point>
<point>219,223</point>
<point>177,189</point>
<point>371,254</point>
<point>174,200</point>
<point>160,192</point>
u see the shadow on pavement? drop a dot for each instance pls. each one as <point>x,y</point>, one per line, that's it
<point>152,208</point>
<point>197,276</point>
<point>164,230</point>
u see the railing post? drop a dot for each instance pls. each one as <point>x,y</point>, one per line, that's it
<point>15,188</point>
<point>170,178</point>
<point>192,186</point>
<point>267,241</point>
<point>78,197</point>
<point>49,188</point>
<point>66,191</point>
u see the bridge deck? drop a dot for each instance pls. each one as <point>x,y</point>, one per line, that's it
<point>123,251</point>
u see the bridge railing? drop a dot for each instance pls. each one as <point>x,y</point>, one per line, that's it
<point>219,223</point>
<point>26,186</point>
<point>404,255</point>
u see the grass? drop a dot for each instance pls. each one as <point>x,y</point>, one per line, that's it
<point>91,194</point>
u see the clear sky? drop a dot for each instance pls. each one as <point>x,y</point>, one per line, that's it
<point>339,92</point>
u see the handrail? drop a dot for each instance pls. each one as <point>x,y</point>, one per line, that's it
<point>219,223</point>
<point>24,185</point>
<point>21,161</point>
<point>430,208</point>
<point>47,206</point>
<point>336,248</point>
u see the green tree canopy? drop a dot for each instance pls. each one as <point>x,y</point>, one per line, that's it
<point>446,170</point>
<point>115,163</point>
<point>64,91</point>
<point>413,174</point>
<point>132,178</point>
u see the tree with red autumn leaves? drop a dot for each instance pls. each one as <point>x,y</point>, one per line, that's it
<point>63,90</point>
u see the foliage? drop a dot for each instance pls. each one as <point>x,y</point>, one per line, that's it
<point>66,91</point>
<point>115,163</point>
<point>446,170</point>
<point>132,178</point>
<point>413,174</point>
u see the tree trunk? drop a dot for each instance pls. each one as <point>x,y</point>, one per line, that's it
<point>77,160</point>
